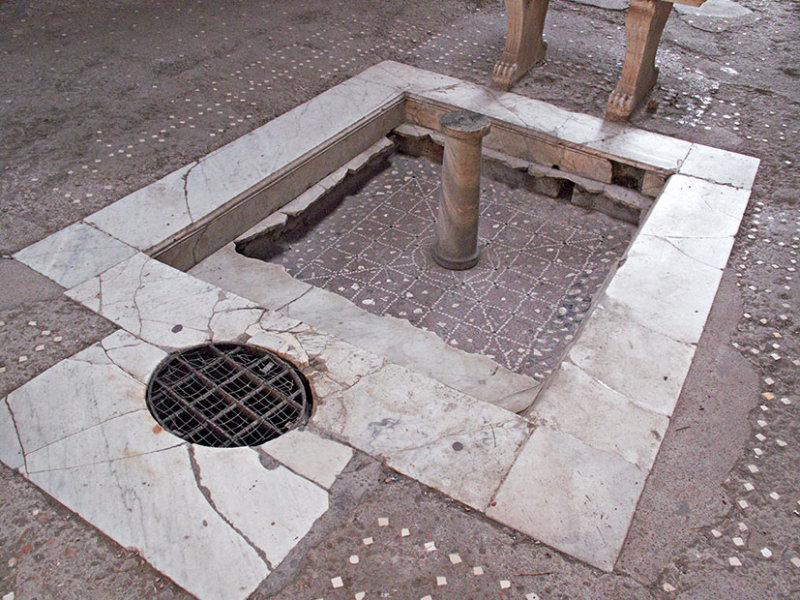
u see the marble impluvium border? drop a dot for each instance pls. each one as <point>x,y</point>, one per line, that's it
<point>570,475</point>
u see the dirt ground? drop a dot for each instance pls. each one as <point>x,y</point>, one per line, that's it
<point>101,98</point>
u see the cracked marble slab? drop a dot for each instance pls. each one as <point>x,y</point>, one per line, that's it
<point>165,306</point>
<point>571,496</point>
<point>147,216</point>
<point>152,502</point>
<point>647,367</point>
<point>721,166</point>
<point>265,283</point>
<point>444,439</point>
<point>401,343</point>
<point>74,254</point>
<point>697,217</point>
<point>664,289</point>
<point>272,509</point>
<point>72,396</point>
<point>168,207</point>
<point>310,455</point>
<point>10,447</point>
<point>600,417</point>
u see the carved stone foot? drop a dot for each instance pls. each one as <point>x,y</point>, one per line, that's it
<point>623,102</point>
<point>508,71</point>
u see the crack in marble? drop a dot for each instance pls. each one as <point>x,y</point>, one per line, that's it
<point>89,428</point>
<point>669,241</point>
<point>185,178</point>
<point>19,437</point>
<point>206,492</point>
<point>98,462</point>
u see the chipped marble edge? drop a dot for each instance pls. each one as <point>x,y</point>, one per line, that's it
<point>190,194</point>
<point>611,139</point>
<point>193,192</point>
<point>307,199</point>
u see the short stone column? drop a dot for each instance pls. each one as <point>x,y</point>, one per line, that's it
<point>456,245</point>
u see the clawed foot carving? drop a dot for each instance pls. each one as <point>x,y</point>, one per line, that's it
<point>504,75</point>
<point>620,105</point>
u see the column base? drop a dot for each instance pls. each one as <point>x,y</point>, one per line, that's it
<point>455,264</point>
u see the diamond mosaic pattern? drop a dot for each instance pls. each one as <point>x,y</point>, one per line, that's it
<point>541,261</point>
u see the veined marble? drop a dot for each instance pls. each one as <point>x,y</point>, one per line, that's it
<point>427,431</point>
<point>74,254</point>
<point>164,306</point>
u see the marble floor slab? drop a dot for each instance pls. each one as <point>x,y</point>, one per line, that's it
<point>81,430</point>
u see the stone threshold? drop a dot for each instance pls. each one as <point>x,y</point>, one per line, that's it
<point>569,474</point>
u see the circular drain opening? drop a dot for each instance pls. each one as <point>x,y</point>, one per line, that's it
<point>227,395</point>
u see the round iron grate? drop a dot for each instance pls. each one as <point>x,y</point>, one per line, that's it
<point>226,395</point>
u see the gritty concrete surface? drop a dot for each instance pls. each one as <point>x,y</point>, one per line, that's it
<point>100,99</point>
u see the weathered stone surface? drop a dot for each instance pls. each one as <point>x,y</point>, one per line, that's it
<point>445,439</point>
<point>571,496</point>
<point>645,366</point>
<point>310,455</point>
<point>74,254</point>
<point>274,509</point>
<point>584,407</point>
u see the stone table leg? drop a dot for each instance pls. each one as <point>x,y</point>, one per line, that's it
<point>524,44</point>
<point>643,28</point>
<point>456,245</point>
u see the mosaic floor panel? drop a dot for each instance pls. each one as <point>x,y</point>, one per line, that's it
<point>542,260</point>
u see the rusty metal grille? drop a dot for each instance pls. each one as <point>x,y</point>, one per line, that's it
<point>226,395</point>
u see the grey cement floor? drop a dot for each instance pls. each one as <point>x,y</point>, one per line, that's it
<point>100,99</point>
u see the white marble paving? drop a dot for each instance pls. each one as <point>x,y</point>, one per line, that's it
<point>446,440</point>
<point>265,283</point>
<point>164,306</point>
<point>147,216</point>
<point>577,404</point>
<point>74,254</point>
<point>570,496</point>
<point>88,440</point>
<point>72,396</point>
<point>137,358</point>
<point>665,290</point>
<point>115,439</point>
<point>721,166</point>
<point>273,509</point>
<point>310,455</point>
<point>647,367</point>
<point>152,502</point>
<point>698,218</point>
